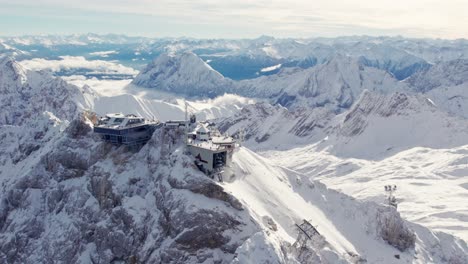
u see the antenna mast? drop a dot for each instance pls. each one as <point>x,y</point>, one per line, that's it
<point>389,189</point>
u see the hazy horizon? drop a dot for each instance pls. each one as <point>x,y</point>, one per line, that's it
<point>208,19</point>
<point>225,38</point>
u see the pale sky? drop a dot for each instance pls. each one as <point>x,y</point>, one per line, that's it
<point>237,19</point>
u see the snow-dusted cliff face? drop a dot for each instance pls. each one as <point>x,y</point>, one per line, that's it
<point>183,74</point>
<point>81,201</point>
<point>386,124</point>
<point>35,107</point>
<point>335,84</point>
<point>387,57</point>
<point>24,95</point>
<point>67,197</point>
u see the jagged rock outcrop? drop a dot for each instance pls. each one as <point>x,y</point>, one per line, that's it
<point>26,94</point>
<point>118,206</point>
<point>394,230</point>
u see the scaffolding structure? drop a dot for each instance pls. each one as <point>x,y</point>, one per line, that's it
<point>305,234</point>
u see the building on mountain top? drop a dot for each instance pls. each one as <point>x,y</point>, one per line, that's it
<point>212,151</point>
<point>120,129</point>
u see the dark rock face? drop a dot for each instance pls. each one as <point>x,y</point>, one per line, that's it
<point>393,229</point>
<point>204,230</point>
<point>78,127</point>
<point>207,188</point>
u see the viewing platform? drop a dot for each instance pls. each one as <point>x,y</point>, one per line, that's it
<point>120,129</point>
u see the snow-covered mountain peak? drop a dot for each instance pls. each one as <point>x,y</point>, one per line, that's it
<point>340,81</point>
<point>183,73</point>
<point>11,74</point>
<point>335,84</point>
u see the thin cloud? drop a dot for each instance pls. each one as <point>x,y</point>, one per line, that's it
<point>77,62</point>
<point>297,17</point>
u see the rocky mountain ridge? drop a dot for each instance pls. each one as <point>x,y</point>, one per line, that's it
<point>74,199</point>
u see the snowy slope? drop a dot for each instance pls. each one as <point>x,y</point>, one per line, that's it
<point>431,182</point>
<point>111,96</point>
<point>397,139</point>
<point>349,227</point>
<point>8,50</point>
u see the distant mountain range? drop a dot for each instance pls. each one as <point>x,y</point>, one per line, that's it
<point>245,58</point>
<point>335,84</point>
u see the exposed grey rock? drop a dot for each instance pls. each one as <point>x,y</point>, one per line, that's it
<point>393,229</point>
<point>207,188</point>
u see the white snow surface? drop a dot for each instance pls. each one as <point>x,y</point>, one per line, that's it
<point>347,225</point>
<point>271,68</point>
<point>396,139</point>
<point>121,96</point>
